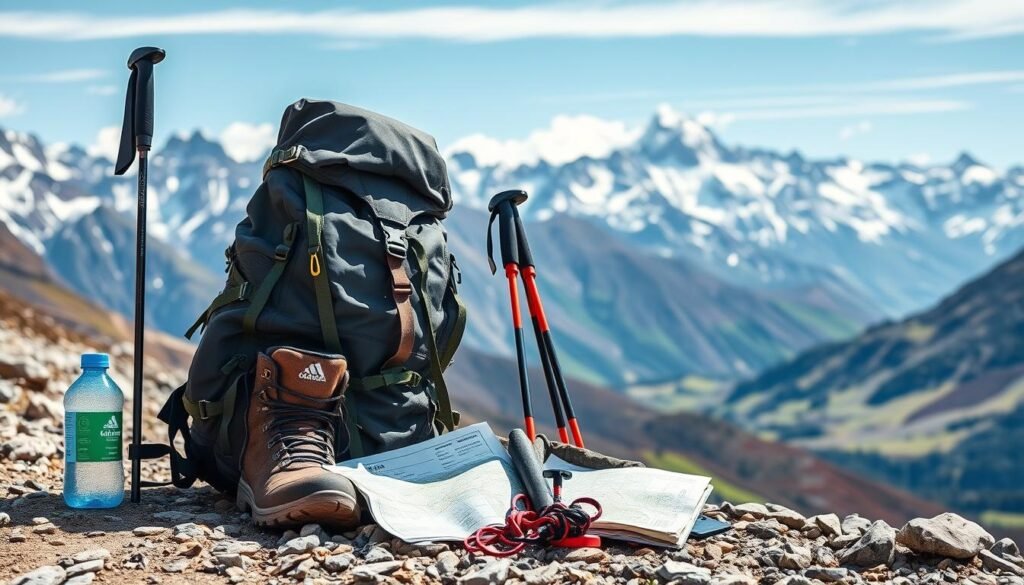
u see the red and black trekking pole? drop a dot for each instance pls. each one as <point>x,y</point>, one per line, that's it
<point>510,259</point>
<point>505,205</point>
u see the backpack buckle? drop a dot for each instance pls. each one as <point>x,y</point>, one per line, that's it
<point>281,157</point>
<point>204,409</point>
<point>396,242</point>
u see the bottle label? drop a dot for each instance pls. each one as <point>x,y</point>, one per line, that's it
<point>92,437</point>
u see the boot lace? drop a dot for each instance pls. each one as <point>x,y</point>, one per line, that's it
<point>304,433</point>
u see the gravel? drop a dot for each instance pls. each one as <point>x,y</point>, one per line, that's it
<point>197,536</point>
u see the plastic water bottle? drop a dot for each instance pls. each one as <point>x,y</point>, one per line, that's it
<point>93,465</point>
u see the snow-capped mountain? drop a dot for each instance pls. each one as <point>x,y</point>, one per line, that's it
<point>898,236</point>
<point>736,258</point>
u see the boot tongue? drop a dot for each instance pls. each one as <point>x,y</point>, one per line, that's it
<point>308,374</point>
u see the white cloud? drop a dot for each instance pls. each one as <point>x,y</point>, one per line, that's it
<point>716,120</point>
<point>943,81</point>
<point>853,108</point>
<point>62,76</point>
<point>853,130</point>
<point>10,107</point>
<point>102,90</point>
<point>950,19</point>
<point>350,45</point>
<point>568,138</point>
<point>107,141</point>
<point>248,142</point>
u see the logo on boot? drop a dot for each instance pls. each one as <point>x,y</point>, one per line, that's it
<point>313,373</point>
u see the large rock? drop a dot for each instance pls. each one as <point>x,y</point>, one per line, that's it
<point>26,369</point>
<point>945,535</point>
<point>26,448</point>
<point>48,575</point>
<point>855,524</point>
<point>684,573</point>
<point>829,524</point>
<point>493,573</point>
<point>993,562</point>
<point>1005,547</point>
<point>875,547</point>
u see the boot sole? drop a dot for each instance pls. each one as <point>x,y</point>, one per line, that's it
<point>325,507</point>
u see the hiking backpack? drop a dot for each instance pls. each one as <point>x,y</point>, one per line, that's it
<point>342,251</point>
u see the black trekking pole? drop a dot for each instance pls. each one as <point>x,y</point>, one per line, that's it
<point>137,137</point>
<point>541,329</point>
<point>520,260</point>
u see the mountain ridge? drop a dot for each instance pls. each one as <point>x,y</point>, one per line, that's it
<point>670,190</point>
<point>932,402</point>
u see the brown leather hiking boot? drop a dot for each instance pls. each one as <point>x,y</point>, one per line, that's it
<point>291,418</point>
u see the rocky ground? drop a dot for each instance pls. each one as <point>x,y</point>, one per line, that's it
<point>197,536</point>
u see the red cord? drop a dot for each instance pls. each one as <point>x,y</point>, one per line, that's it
<point>524,526</point>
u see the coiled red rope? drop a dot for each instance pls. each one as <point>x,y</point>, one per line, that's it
<point>525,526</point>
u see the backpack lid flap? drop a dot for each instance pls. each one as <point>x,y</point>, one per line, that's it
<point>329,138</point>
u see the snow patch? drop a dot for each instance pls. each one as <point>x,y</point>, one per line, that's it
<point>25,157</point>
<point>978,174</point>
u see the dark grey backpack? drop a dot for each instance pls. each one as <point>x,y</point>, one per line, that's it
<point>342,251</point>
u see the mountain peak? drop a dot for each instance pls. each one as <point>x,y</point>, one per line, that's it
<point>964,161</point>
<point>669,128</point>
<point>194,144</point>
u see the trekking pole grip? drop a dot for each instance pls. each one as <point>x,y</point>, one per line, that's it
<point>502,206</point>
<point>142,61</point>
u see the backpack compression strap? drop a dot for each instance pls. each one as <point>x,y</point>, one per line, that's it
<point>317,263</point>
<point>444,404</point>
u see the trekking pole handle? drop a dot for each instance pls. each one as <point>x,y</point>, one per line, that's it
<point>503,206</point>
<point>525,256</point>
<point>506,237</point>
<point>142,61</point>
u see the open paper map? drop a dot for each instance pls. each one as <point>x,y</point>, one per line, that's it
<point>450,486</point>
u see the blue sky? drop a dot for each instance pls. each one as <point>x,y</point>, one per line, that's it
<point>874,80</point>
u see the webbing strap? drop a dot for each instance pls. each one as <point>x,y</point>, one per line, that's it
<point>355,440</point>
<point>457,329</point>
<point>392,377</point>
<point>401,291</point>
<point>203,409</point>
<point>231,294</point>
<point>183,468</point>
<point>228,403</point>
<point>207,409</point>
<point>262,294</point>
<point>444,405</point>
<point>317,265</point>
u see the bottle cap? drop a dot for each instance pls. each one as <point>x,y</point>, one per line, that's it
<point>95,360</point>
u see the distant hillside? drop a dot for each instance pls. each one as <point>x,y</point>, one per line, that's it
<point>622,315</point>
<point>743,466</point>
<point>933,403</point>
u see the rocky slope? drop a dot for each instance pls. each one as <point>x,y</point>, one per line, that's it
<point>932,403</point>
<point>196,536</point>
